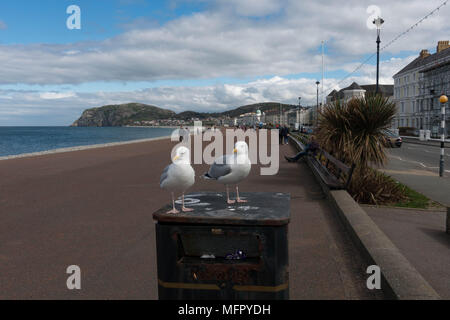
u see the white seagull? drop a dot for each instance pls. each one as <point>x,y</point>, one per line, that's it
<point>178,176</point>
<point>231,169</point>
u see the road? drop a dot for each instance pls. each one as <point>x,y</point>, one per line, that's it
<point>418,167</point>
<point>421,156</point>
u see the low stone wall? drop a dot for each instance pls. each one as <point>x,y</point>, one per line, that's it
<point>400,280</point>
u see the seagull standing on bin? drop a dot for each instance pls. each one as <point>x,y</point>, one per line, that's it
<point>231,169</point>
<point>178,176</point>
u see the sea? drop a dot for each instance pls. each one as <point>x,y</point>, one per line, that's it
<point>21,140</point>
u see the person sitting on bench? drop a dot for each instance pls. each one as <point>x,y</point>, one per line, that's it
<point>312,146</point>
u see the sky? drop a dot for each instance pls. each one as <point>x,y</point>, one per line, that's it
<point>200,55</point>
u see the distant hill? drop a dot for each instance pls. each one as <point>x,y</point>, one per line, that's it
<point>127,114</point>
<point>121,115</point>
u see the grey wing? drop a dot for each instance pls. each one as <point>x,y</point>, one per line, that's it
<point>218,170</point>
<point>164,175</point>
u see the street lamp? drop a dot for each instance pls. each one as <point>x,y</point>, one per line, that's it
<point>298,117</point>
<point>378,22</point>
<point>443,100</point>
<point>317,107</point>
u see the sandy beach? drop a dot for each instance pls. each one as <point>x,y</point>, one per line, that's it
<point>93,208</point>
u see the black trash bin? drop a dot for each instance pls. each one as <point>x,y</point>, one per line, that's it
<point>223,251</point>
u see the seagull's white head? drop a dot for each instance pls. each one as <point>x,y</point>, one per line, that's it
<point>182,156</point>
<point>241,148</point>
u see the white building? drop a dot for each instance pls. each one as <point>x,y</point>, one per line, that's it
<point>250,118</point>
<point>301,116</point>
<point>417,88</point>
<point>359,91</point>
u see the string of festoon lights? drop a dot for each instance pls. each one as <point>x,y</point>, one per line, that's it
<point>415,25</point>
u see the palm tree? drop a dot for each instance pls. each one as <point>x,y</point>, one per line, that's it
<point>355,131</point>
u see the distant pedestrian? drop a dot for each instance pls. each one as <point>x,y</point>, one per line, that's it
<point>280,134</point>
<point>181,133</point>
<point>286,135</point>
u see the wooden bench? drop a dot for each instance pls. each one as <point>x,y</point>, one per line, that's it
<point>335,181</point>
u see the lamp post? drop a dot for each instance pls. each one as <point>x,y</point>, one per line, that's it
<point>281,115</point>
<point>443,100</point>
<point>298,118</point>
<point>317,106</point>
<point>378,22</point>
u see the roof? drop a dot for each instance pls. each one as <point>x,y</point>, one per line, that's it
<point>332,93</point>
<point>353,86</point>
<point>384,89</point>
<point>419,62</point>
<point>337,95</point>
<point>436,66</point>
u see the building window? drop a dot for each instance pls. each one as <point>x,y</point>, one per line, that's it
<point>403,107</point>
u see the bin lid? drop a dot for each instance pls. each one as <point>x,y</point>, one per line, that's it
<point>262,208</point>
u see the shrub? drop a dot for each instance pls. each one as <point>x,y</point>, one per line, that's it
<point>374,187</point>
<point>354,133</point>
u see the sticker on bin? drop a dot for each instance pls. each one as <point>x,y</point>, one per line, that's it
<point>238,255</point>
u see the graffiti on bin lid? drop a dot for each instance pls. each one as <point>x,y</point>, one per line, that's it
<point>238,255</point>
<point>192,202</point>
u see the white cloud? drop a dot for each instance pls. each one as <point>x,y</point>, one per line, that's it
<point>265,40</point>
<point>227,43</point>
<point>210,98</point>
<point>56,95</point>
<point>252,8</point>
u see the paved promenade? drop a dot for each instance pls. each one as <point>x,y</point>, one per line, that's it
<point>420,236</point>
<point>93,208</point>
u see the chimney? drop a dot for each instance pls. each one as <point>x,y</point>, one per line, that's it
<point>424,53</point>
<point>442,45</point>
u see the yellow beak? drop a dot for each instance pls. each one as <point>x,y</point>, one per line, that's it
<point>235,150</point>
<point>176,158</point>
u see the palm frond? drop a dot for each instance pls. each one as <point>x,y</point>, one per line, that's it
<point>354,131</point>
